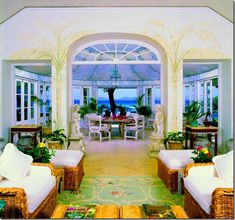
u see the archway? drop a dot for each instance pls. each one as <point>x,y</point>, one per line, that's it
<point>117,40</point>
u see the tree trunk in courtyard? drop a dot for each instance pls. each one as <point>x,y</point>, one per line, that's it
<point>111,99</point>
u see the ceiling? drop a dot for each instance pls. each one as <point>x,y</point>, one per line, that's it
<point>8,8</point>
<point>38,69</point>
<point>146,72</point>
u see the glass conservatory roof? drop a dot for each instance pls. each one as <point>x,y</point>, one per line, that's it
<point>133,72</point>
<point>116,52</point>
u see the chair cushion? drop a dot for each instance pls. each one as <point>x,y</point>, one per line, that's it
<point>13,163</point>
<point>202,187</point>
<point>67,157</point>
<point>37,185</point>
<point>176,159</point>
<point>224,166</point>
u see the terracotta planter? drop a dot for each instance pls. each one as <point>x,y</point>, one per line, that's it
<point>172,145</point>
<point>206,123</point>
<point>56,145</point>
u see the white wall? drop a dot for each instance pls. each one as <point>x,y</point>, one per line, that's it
<point>32,34</point>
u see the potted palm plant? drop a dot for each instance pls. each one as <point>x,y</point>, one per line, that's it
<point>56,139</point>
<point>174,140</point>
<point>142,109</point>
<point>193,113</point>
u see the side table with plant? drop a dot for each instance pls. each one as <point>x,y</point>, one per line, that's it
<point>56,139</point>
<point>175,140</point>
<point>193,113</point>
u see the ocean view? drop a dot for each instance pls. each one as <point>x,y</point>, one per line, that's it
<point>128,103</point>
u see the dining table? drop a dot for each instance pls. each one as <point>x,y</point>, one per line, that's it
<point>121,121</point>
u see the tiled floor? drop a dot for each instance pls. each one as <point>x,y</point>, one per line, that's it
<point>119,157</point>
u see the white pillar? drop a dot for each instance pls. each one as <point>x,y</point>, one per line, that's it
<point>175,99</point>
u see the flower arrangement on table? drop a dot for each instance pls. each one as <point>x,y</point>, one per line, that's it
<point>202,155</point>
<point>41,153</point>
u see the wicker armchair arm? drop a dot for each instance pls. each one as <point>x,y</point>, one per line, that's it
<point>189,166</point>
<point>50,165</point>
<point>222,203</point>
<point>16,202</point>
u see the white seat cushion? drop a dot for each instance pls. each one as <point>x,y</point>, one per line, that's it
<point>13,163</point>
<point>202,187</point>
<point>224,166</point>
<point>37,185</point>
<point>67,157</point>
<point>176,159</point>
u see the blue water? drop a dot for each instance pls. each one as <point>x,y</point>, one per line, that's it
<point>125,103</point>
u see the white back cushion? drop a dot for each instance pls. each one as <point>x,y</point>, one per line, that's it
<point>13,163</point>
<point>224,166</point>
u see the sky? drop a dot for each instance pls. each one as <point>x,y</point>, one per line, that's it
<point>119,93</point>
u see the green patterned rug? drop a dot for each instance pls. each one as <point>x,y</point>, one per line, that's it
<point>121,191</point>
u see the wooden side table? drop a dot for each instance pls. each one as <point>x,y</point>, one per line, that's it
<point>59,174</point>
<point>33,129</point>
<point>197,130</point>
<point>137,212</point>
<point>102,211</point>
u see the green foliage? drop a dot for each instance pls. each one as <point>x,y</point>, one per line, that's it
<point>175,136</point>
<point>202,155</point>
<point>90,108</point>
<point>57,135</point>
<point>41,154</point>
<point>104,108</point>
<point>37,100</point>
<point>142,109</point>
<point>193,112</point>
<point>93,105</point>
<point>40,102</point>
<point>122,110</point>
<point>215,103</point>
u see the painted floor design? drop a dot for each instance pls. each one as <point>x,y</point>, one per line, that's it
<point>134,190</point>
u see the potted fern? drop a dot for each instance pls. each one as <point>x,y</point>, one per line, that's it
<point>174,140</point>
<point>193,113</point>
<point>56,139</point>
<point>142,109</point>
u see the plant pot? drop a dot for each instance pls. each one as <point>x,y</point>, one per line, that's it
<point>206,123</point>
<point>194,123</point>
<point>175,145</point>
<point>56,145</point>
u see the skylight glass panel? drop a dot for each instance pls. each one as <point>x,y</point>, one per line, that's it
<point>131,47</point>
<point>121,53</point>
<point>100,47</point>
<point>103,57</point>
<point>121,46</point>
<point>113,51</point>
<point>110,46</point>
<point>92,50</point>
<point>129,56</point>
<point>141,50</point>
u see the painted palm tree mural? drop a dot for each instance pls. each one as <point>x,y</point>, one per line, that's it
<point>177,47</point>
<point>56,50</point>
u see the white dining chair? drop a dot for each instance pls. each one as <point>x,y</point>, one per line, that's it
<point>97,127</point>
<point>132,130</point>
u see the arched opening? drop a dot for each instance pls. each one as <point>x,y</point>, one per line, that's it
<point>120,61</point>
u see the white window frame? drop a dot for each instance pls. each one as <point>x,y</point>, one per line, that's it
<point>29,120</point>
<point>83,97</point>
<point>76,87</point>
<point>44,117</point>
